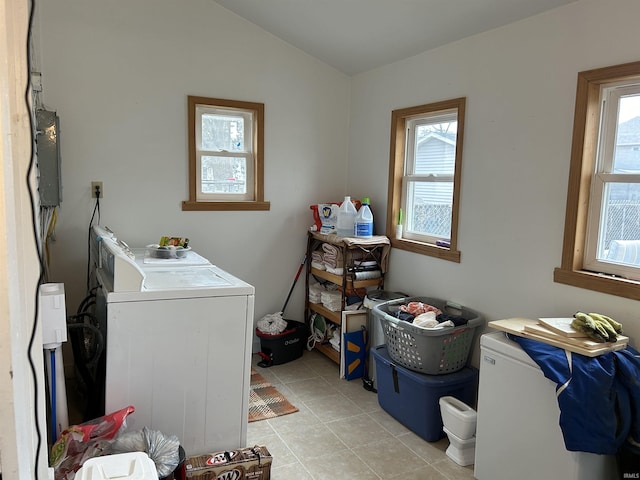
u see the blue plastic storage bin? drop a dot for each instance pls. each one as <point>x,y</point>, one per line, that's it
<point>413,398</point>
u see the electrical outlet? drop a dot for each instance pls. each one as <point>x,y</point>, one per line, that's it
<point>98,186</point>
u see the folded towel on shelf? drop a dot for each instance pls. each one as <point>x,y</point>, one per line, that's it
<point>335,341</point>
<point>315,293</point>
<point>316,256</point>
<point>335,271</point>
<point>332,300</point>
<point>331,295</point>
<point>335,344</point>
<point>315,298</point>
<point>375,240</point>
<point>332,256</point>
<point>329,249</point>
<point>316,288</point>
<point>331,306</point>
<point>318,265</point>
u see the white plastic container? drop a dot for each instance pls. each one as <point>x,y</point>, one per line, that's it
<point>364,220</point>
<point>458,417</point>
<point>123,466</point>
<point>459,423</point>
<point>461,451</point>
<point>346,218</point>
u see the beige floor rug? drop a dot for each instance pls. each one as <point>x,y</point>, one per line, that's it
<point>265,401</point>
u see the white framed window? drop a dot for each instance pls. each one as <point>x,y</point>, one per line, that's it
<point>225,155</point>
<point>601,248</point>
<point>613,222</point>
<point>425,165</point>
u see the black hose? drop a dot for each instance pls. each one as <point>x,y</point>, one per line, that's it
<point>87,302</point>
<point>86,362</point>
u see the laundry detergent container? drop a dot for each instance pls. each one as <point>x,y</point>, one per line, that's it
<point>413,398</point>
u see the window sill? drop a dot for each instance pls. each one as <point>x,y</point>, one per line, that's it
<point>224,206</point>
<point>426,249</point>
<point>598,282</point>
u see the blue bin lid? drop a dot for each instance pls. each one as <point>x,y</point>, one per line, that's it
<point>461,376</point>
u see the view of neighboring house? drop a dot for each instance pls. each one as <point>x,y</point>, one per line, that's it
<point>435,155</point>
<point>627,156</point>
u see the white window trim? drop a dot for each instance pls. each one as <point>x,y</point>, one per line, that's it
<point>410,179</point>
<point>609,98</point>
<point>247,154</point>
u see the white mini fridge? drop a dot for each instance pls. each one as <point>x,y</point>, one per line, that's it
<point>518,435</point>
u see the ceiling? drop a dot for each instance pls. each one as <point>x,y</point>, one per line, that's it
<point>354,36</point>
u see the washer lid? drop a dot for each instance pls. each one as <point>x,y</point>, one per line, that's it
<point>191,259</point>
<point>182,278</point>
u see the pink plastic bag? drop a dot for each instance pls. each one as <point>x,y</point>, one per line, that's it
<point>87,440</point>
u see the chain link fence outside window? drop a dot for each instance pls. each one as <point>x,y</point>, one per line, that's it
<point>432,219</point>
<point>623,221</point>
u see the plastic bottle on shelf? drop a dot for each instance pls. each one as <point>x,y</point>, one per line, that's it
<point>346,218</point>
<point>364,220</point>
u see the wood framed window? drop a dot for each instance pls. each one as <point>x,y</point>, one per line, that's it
<point>226,157</point>
<point>601,248</point>
<point>424,178</point>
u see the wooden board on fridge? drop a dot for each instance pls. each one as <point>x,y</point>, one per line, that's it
<point>586,342</point>
<point>561,326</point>
<point>516,326</point>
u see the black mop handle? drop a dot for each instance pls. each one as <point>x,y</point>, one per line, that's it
<point>304,260</point>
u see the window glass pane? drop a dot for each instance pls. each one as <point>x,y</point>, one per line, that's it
<point>435,148</point>
<point>627,146</point>
<point>224,175</point>
<point>223,132</point>
<point>620,225</point>
<point>430,204</point>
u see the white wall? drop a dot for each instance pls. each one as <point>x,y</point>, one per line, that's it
<point>22,390</point>
<point>118,73</point>
<point>520,83</point>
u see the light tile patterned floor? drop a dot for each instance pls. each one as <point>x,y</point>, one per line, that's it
<point>341,432</point>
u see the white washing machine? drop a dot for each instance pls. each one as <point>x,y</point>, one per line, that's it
<point>178,347</point>
<point>518,433</point>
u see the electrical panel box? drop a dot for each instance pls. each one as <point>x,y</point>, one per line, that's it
<point>48,141</point>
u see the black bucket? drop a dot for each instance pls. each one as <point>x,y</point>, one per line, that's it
<point>282,347</point>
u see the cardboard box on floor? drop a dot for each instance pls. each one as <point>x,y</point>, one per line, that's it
<point>252,463</point>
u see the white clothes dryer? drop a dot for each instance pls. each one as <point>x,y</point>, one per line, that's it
<point>178,348</point>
